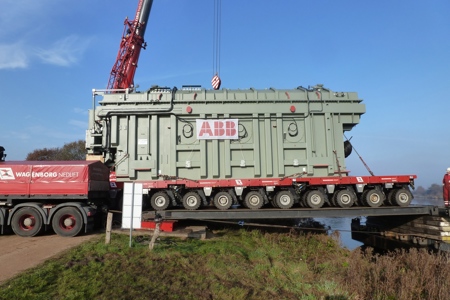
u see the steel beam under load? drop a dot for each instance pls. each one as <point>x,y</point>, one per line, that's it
<point>241,213</point>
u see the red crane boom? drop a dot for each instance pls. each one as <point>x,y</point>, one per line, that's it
<point>122,73</point>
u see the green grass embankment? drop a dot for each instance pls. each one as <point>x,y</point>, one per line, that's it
<point>236,264</point>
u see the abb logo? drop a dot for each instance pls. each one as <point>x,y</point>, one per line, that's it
<point>217,129</point>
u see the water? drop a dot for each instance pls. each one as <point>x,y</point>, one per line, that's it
<point>343,225</point>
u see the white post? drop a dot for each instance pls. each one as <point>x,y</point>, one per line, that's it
<point>132,213</point>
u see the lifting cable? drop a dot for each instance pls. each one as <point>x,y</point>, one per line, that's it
<point>215,81</point>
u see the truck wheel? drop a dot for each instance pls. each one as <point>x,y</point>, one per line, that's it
<point>160,201</point>
<point>401,197</point>
<point>284,199</point>
<point>344,198</point>
<point>373,198</point>
<point>67,221</point>
<point>315,199</point>
<point>192,201</point>
<point>27,221</point>
<point>253,200</point>
<point>223,200</point>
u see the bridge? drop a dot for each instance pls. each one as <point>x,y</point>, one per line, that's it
<point>387,228</point>
<point>275,213</point>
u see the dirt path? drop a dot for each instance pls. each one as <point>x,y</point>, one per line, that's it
<point>18,254</point>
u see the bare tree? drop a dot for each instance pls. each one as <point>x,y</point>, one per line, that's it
<point>70,151</point>
<point>42,154</point>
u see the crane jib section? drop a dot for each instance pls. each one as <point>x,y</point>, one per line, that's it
<point>122,73</point>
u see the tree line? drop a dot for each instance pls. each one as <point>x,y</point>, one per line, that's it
<point>434,191</point>
<point>70,151</point>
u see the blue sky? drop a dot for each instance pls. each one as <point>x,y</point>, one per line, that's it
<point>395,54</point>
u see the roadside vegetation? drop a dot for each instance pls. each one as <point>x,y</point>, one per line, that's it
<point>70,151</point>
<point>433,192</point>
<point>234,264</point>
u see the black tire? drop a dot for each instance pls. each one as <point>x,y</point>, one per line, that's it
<point>315,199</point>
<point>160,201</point>
<point>253,200</point>
<point>302,201</point>
<point>67,221</point>
<point>223,200</point>
<point>192,201</point>
<point>344,198</point>
<point>273,203</point>
<point>333,202</point>
<point>27,222</point>
<point>373,198</point>
<point>347,148</point>
<point>401,197</point>
<point>284,199</point>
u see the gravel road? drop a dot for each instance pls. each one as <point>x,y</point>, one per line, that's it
<point>18,254</point>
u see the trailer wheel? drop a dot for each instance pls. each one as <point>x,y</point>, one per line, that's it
<point>344,198</point>
<point>373,198</point>
<point>315,199</point>
<point>401,197</point>
<point>67,221</point>
<point>192,201</point>
<point>284,199</point>
<point>273,203</point>
<point>27,221</point>
<point>253,200</point>
<point>302,201</point>
<point>223,200</point>
<point>332,201</point>
<point>160,201</point>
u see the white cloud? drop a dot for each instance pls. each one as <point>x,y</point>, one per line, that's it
<point>17,14</point>
<point>18,135</point>
<point>28,34</point>
<point>19,17</point>
<point>13,56</point>
<point>64,52</point>
<point>79,124</point>
<point>81,111</point>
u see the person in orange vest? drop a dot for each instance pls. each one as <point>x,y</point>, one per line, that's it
<point>446,188</point>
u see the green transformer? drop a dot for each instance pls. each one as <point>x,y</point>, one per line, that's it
<point>198,134</point>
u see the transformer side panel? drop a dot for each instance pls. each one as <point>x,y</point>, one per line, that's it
<point>121,146</point>
<point>266,148</point>
<point>319,161</point>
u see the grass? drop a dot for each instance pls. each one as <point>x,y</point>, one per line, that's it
<point>236,264</point>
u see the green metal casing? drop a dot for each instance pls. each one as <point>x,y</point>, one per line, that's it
<point>279,132</point>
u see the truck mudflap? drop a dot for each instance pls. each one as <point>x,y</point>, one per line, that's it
<point>3,218</point>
